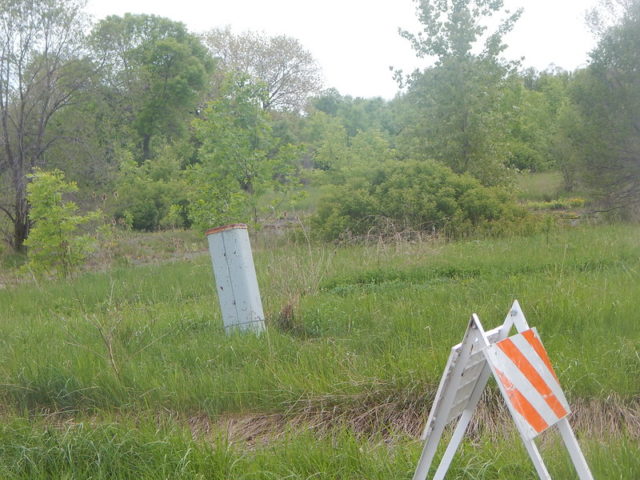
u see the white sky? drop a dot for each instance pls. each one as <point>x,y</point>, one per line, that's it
<point>356,41</point>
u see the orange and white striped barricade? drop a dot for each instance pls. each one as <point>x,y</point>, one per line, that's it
<point>526,379</point>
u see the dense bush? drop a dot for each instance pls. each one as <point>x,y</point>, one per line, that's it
<point>152,195</point>
<point>414,196</point>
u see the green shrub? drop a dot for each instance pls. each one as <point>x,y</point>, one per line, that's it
<point>414,196</point>
<point>54,243</point>
<point>148,193</point>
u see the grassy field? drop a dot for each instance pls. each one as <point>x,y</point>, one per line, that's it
<point>127,373</point>
<point>539,186</point>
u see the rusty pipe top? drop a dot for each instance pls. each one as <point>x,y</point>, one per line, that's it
<point>232,226</point>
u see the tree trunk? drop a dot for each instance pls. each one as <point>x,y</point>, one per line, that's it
<point>20,234</point>
<point>21,222</point>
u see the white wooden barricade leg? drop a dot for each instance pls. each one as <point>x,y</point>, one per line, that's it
<point>440,414</point>
<point>577,458</point>
<point>462,425</point>
<point>520,323</point>
<point>575,452</point>
<point>484,339</point>
<point>536,458</point>
<point>570,441</point>
<point>448,387</point>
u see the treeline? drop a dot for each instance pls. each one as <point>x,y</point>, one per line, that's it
<point>162,128</point>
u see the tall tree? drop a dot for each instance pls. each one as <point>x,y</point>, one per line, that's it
<point>453,28</point>
<point>533,136</point>
<point>155,69</point>
<point>288,71</point>
<point>239,157</point>
<point>608,98</point>
<point>356,114</point>
<point>456,108</point>
<point>41,72</point>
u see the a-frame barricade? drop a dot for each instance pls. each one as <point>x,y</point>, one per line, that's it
<point>527,381</point>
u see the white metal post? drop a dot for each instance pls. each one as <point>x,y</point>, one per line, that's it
<point>235,276</point>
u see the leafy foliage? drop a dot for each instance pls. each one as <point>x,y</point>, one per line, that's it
<point>419,196</point>
<point>55,245</point>
<point>608,100</point>
<point>153,194</point>
<point>42,69</point>
<point>239,158</point>
<point>453,28</point>
<point>155,70</point>
<point>456,111</point>
<point>166,128</point>
<point>356,114</point>
<point>538,100</point>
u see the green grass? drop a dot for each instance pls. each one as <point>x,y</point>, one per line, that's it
<point>126,359</point>
<point>160,449</point>
<point>540,186</point>
<point>546,190</point>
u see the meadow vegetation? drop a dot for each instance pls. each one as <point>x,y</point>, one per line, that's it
<point>128,373</point>
<point>379,226</point>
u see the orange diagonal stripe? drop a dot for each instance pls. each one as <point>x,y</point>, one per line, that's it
<point>522,405</point>
<point>534,341</point>
<point>524,365</point>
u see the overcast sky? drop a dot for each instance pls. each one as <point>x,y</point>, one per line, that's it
<point>356,41</point>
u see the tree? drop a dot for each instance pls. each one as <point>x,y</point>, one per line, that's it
<point>54,243</point>
<point>152,194</point>
<point>452,28</point>
<point>326,141</point>
<point>566,136</point>
<point>540,101</point>
<point>155,70</point>
<point>356,114</point>
<point>337,157</point>
<point>239,158</point>
<point>608,99</point>
<point>288,71</point>
<point>42,69</point>
<point>456,110</point>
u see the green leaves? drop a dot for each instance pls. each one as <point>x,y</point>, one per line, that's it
<point>452,28</point>
<point>55,245</point>
<point>158,67</point>
<point>148,193</point>
<point>411,196</point>
<point>240,159</point>
<point>455,111</point>
<point>607,96</point>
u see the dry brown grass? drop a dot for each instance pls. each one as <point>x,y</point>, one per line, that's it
<point>397,416</point>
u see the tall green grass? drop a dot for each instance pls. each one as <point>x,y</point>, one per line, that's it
<point>369,334</point>
<point>150,450</point>
<point>373,320</point>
